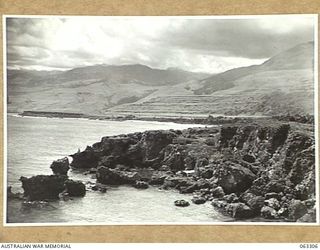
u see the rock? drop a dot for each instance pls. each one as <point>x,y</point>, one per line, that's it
<point>141,185</point>
<point>269,213</point>
<point>85,159</point>
<point>256,203</point>
<point>275,187</point>
<point>198,200</point>
<point>158,178</point>
<point>61,166</point>
<point>219,205</point>
<point>310,203</point>
<point>272,195</point>
<point>181,203</point>
<point>75,188</point>
<point>233,178</point>
<point>273,203</point>
<point>11,195</point>
<point>218,192</point>
<point>249,158</point>
<point>310,217</point>
<point>297,209</point>
<point>116,177</point>
<point>283,212</point>
<point>43,187</point>
<point>231,198</point>
<point>239,210</point>
<point>99,187</point>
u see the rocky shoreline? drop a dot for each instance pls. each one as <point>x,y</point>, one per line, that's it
<point>245,170</point>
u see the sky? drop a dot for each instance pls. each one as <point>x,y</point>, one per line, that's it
<point>199,45</point>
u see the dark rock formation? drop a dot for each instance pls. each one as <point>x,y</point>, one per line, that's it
<point>60,167</point>
<point>181,203</point>
<point>75,188</point>
<point>116,177</point>
<point>233,178</point>
<point>43,187</point>
<point>198,200</point>
<point>141,185</point>
<point>256,169</point>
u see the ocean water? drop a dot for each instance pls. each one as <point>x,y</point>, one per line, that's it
<point>33,143</point>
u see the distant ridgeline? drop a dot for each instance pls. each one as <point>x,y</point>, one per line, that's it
<point>52,114</point>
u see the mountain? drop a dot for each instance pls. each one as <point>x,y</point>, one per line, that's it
<point>91,89</point>
<point>284,84</point>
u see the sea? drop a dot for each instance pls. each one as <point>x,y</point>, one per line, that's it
<point>33,143</point>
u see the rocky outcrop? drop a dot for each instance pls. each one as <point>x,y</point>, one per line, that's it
<point>181,203</point>
<point>245,170</point>
<point>75,188</point>
<point>60,166</point>
<point>49,187</point>
<point>43,187</point>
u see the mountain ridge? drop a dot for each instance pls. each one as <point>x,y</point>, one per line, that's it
<point>282,84</point>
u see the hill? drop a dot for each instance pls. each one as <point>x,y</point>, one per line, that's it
<point>284,84</point>
<point>91,89</point>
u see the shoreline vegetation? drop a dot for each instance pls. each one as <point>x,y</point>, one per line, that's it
<point>246,168</point>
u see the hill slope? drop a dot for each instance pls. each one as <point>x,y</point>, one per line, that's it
<point>91,89</point>
<point>281,85</point>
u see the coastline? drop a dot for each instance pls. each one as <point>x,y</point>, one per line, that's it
<point>162,158</point>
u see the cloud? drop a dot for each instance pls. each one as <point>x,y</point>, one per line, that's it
<point>208,45</point>
<point>248,38</point>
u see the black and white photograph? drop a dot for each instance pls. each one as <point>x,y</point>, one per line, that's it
<point>148,120</point>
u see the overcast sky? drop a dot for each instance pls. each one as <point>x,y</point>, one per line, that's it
<point>202,45</point>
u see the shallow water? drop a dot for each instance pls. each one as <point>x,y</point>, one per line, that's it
<point>33,143</point>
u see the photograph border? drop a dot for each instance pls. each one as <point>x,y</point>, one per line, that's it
<point>249,227</point>
<point>246,17</point>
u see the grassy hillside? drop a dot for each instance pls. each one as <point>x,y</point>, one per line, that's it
<point>91,89</point>
<point>281,85</point>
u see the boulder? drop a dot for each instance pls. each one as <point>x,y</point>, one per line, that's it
<point>233,178</point>
<point>273,203</point>
<point>249,158</point>
<point>218,192</point>
<point>297,209</point>
<point>256,203</point>
<point>60,166</point>
<point>75,188</point>
<point>116,177</point>
<point>309,217</point>
<point>198,200</point>
<point>268,196</point>
<point>231,198</point>
<point>43,187</point>
<point>239,210</point>
<point>141,185</point>
<point>181,203</point>
<point>269,213</point>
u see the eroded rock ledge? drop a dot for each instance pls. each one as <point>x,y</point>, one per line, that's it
<point>244,170</point>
